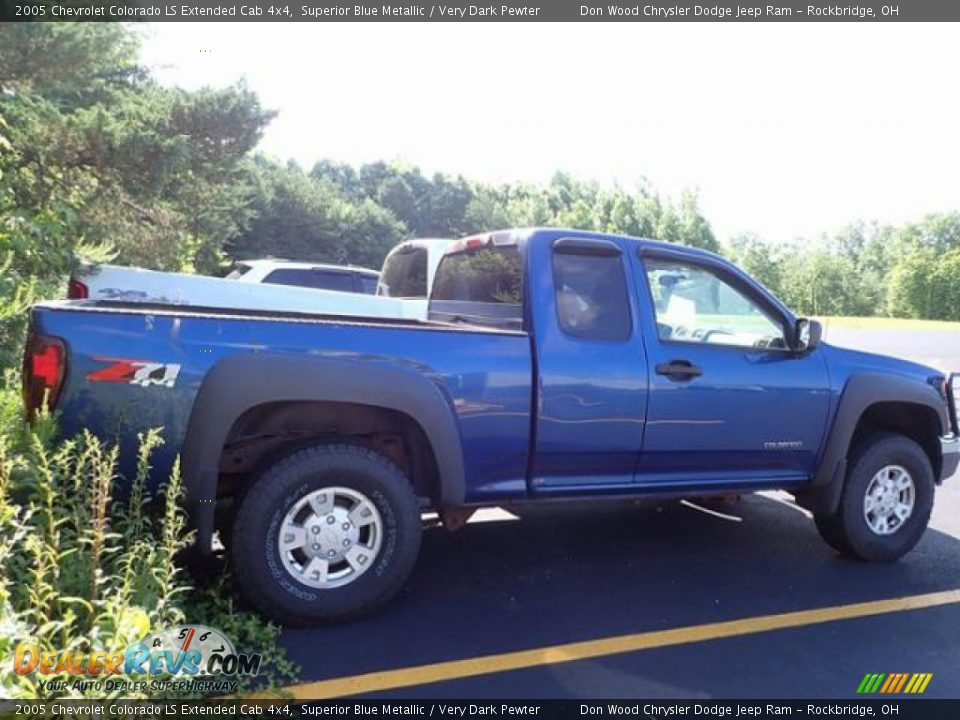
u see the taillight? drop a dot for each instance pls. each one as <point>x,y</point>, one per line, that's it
<point>44,367</point>
<point>76,290</point>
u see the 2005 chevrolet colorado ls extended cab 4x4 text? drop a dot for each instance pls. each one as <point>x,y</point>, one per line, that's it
<point>556,364</point>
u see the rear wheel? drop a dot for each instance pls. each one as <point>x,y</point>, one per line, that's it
<point>329,532</point>
<point>886,500</point>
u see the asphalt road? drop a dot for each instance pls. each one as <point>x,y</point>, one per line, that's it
<point>504,585</point>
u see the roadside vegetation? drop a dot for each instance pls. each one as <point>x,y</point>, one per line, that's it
<point>82,573</point>
<point>97,160</point>
<point>91,149</point>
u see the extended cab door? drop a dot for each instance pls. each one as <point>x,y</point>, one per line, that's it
<point>592,379</point>
<point>729,402</point>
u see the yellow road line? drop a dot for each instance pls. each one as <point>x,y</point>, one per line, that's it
<point>570,652</point>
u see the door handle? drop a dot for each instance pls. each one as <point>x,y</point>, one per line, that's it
<point>679,370</point>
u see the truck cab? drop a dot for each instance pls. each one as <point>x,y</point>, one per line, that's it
<point>698,364</point>
<point>663,367</point>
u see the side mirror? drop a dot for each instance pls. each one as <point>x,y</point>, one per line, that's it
<point>806,335</point>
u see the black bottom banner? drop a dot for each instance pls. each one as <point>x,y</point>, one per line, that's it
<point>913,709</point>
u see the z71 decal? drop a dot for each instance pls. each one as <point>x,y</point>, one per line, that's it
<point>136,372</point>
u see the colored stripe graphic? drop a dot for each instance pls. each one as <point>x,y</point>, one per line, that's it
<point>913,684</point>
<point>894,682</point>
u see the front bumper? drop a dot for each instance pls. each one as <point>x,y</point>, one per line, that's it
<point>950,453</point>
<point>950,443</point>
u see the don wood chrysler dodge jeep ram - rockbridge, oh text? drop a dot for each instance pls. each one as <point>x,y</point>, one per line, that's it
<point>555,364</point>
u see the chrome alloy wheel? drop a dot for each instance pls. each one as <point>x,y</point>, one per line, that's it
<point>888,502</point>
<point>330,537</point>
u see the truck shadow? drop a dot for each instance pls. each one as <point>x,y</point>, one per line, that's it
<point>591,571</point>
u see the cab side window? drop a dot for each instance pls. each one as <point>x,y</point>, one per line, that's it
<point>591,295</point>
<point>693,304</point>
<point>311,278</point>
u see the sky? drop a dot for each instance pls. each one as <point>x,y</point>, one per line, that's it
<point>786,130</point>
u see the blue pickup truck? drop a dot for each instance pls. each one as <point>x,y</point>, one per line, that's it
<point>555,364</point>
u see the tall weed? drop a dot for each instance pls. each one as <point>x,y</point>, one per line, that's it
<point>83,571</point>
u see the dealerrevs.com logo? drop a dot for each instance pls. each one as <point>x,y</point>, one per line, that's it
<point>183,657</point>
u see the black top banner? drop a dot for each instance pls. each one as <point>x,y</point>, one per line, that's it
<point>458,11</point>
<point>893,709</point>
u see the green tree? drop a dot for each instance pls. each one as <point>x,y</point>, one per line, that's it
<point>946,287</point>
<point>629,214</point>
<point>526,206</point>
<point>342,176</point>
<point>444,208</point>
<point>396,195</point>
<point>940,232</point>
<point>922,281</point>
<point>693,226</point>
<point>305,217</point>
<point>488,210</point>
<point>816,282</point>
<point>911,285</point>
<point>760,259</point>
<point>154,171</point>
<point>73,64</point>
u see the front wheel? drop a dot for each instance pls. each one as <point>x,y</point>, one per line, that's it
<point>886,502</point>
<point>327,533</point>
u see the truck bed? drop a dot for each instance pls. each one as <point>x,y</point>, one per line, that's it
<point>485,374</point>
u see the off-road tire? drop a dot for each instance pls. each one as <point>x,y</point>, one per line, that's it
<point>831,530</point>
<point>847,529</point>
<point>259,571</point>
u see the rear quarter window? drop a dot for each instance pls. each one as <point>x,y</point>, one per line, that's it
<point>480,286</point>
<point>486,275</point>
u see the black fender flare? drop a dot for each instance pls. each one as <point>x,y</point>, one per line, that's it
<point>239,383</point>
<point>861,391</point>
